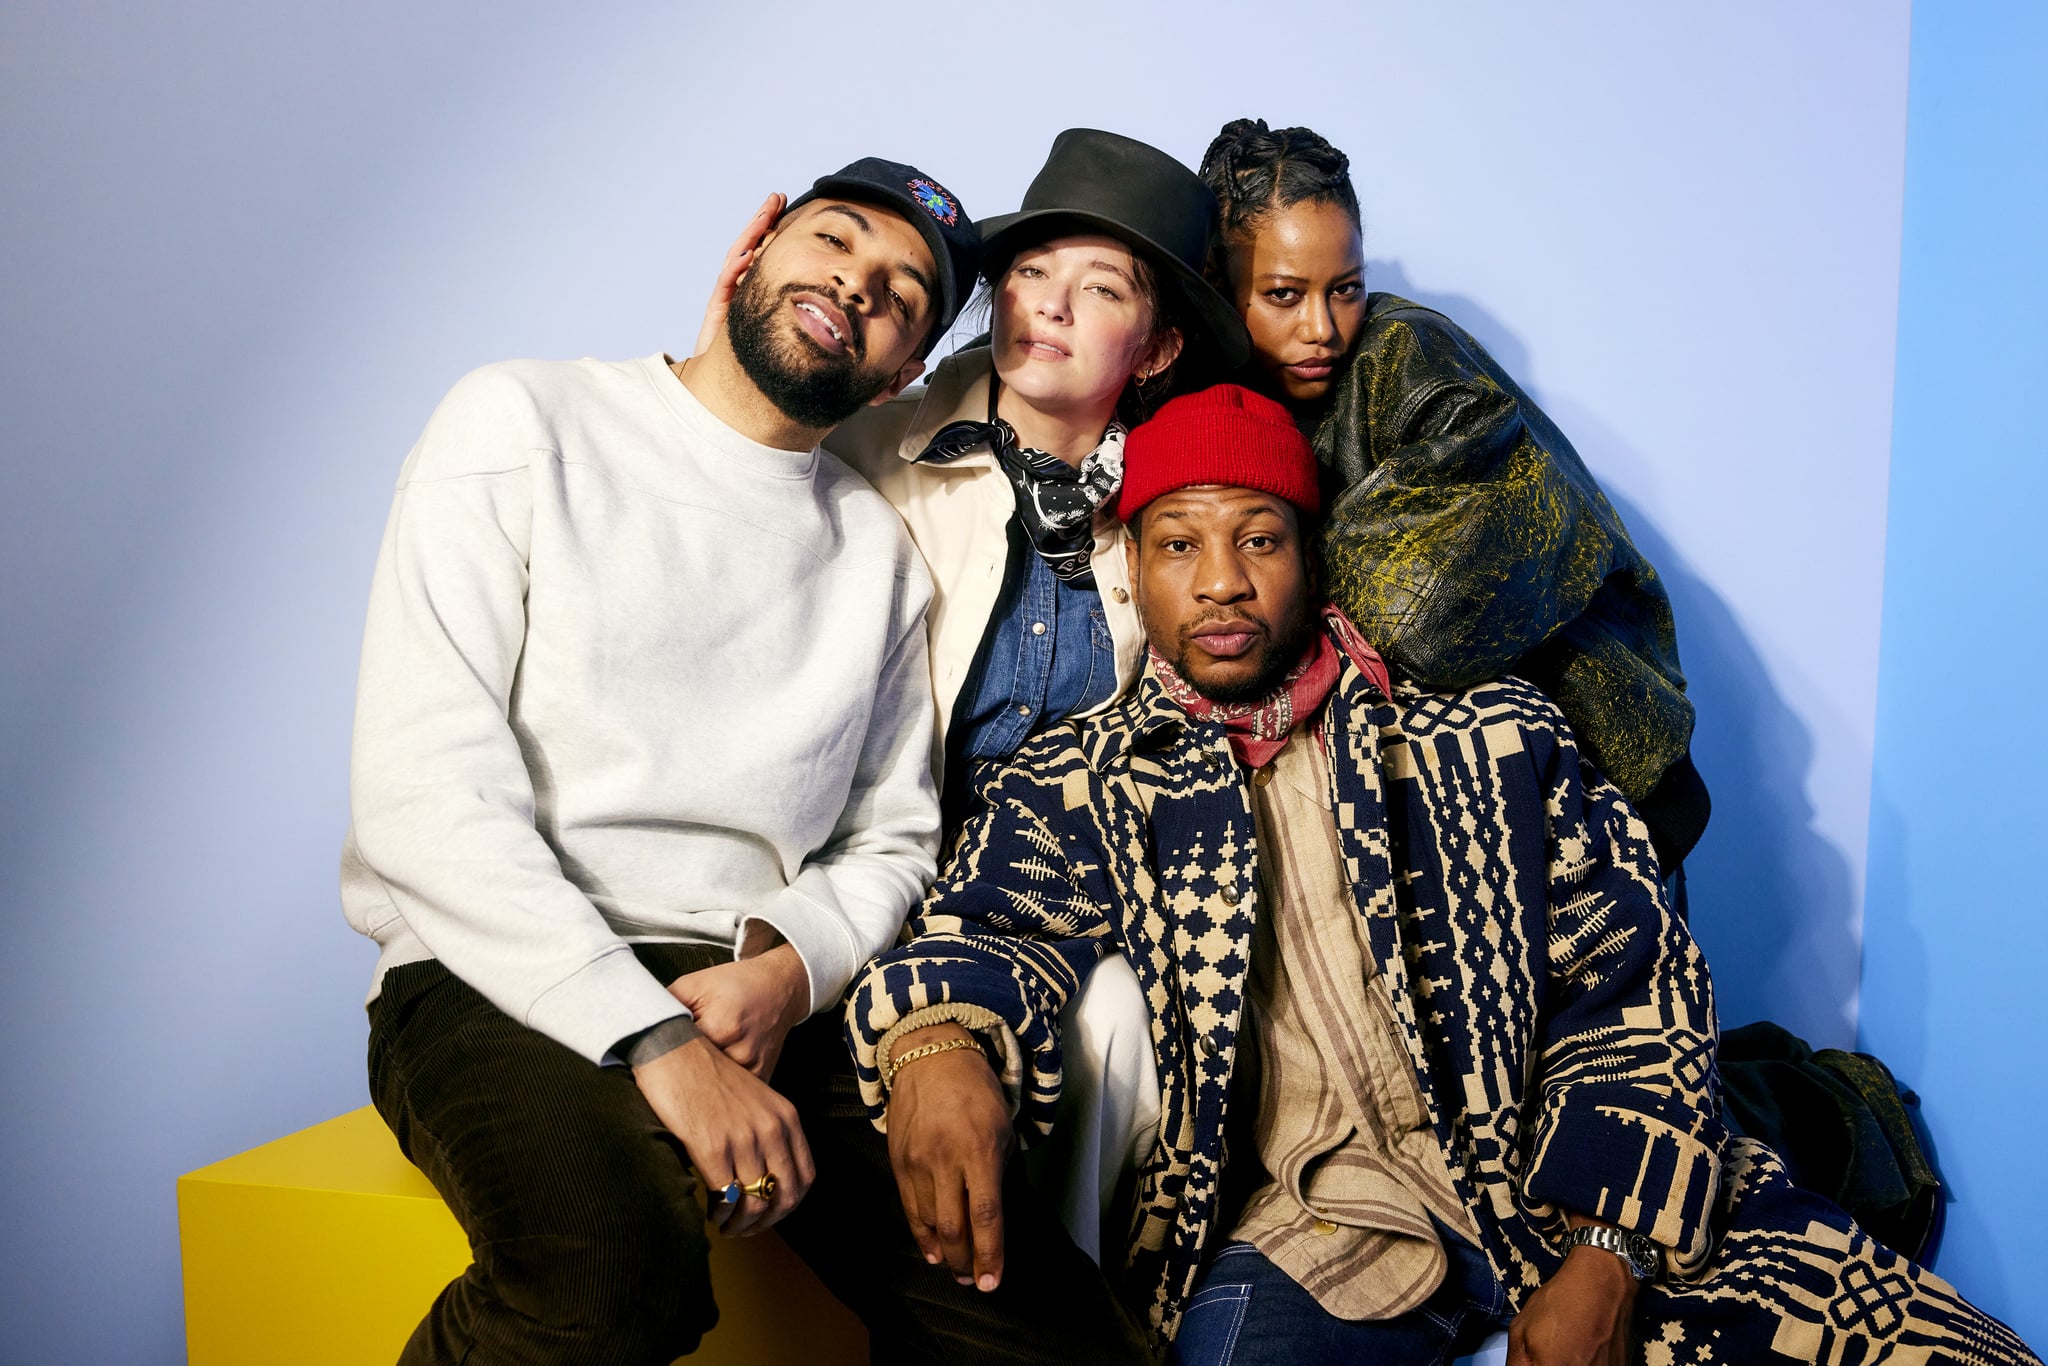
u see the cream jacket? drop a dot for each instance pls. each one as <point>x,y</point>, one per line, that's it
<point>959,514</point>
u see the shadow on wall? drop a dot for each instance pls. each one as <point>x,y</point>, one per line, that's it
<point>1771,899</point>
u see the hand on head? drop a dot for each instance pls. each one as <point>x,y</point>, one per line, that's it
<point>734,268</point>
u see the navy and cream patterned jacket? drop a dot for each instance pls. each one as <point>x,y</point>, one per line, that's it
<point>1557,1012</point>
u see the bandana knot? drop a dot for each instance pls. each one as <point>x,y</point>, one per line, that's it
<point>1056,501</point>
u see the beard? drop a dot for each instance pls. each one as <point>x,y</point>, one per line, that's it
<point>1281,651</point>
<point>805,383</point>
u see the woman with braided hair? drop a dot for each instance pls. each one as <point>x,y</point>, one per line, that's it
<point>1464,535</point>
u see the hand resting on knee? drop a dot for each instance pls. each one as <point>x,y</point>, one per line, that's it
<point>949,1141</point>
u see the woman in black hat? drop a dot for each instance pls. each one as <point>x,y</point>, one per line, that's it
<point>1464,535</point>
<point>1006,464</point>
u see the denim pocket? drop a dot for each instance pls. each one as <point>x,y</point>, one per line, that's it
<point>1209,1328</point>
<point>1099,634</point>
<point>1101,661</point>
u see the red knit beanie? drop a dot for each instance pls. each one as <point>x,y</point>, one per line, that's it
<point>1225,435</point>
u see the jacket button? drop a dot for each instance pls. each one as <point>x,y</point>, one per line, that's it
<point>1230,896</point>
<point>1207,1045</point>
<point>1325,1227</point>
<point>1037,628</point>
<point>1119,595</point>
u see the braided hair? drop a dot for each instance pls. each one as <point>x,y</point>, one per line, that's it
<point>1253,170</point>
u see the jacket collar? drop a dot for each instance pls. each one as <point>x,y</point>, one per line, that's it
<point>957,392</point>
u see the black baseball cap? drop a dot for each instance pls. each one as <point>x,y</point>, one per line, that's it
<point>929,207</point>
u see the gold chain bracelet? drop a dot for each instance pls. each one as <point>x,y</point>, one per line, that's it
<point>925,1050</point>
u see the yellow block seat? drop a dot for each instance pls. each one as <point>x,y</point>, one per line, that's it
<point>325,1247</point>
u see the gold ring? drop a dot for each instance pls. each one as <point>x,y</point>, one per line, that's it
<point>763,1187</point>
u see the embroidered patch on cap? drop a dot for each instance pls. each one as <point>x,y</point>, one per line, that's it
<point>936,201</point>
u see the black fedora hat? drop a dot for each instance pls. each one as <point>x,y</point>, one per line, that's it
<point>1134,192</point>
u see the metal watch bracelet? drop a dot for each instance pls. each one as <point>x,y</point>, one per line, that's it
<point>1637,1253</point>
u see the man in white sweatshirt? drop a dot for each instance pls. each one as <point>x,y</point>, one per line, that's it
<point>641,776</point>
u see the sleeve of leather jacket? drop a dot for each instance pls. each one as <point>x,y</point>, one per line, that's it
<point>1625,1125</point>
<point>1457,537</point>
<point>1015,922</point>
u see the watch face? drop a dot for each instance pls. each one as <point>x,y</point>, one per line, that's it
<point>1642,1254</point>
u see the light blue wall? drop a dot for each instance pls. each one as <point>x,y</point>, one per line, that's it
<point>1956,924</point>
<point>249,244</point>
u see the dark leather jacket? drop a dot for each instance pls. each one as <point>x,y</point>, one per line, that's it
<point>1468,541</point>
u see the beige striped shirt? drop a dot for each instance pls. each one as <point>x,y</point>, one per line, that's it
<point>1355,1169</point>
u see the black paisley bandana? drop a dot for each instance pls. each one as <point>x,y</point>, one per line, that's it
<point>1055,501</point>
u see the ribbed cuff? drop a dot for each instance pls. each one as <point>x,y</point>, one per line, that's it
<point>998,1042</point>
<point>657,1042</point>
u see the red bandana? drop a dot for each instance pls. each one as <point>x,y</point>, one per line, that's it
<point>1259,730</point>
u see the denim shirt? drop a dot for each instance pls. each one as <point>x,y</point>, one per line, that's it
<point>1048,655</point>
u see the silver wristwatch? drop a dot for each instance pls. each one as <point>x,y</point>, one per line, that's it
<point>1642,1256</point>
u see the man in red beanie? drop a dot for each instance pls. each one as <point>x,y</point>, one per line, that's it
<point>1435,1054</point>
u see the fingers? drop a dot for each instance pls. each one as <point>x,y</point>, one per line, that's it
<point>707,994</point>
<point>951,1225</point>
<point>911,1189</point>
<point>741,254</point>
<point>750,237</point>
<point>783,1152</point>
<point>794,1172</point>
<point>762,1155</point>
<point>800,1161</point>
<point>734,268</point>
<point>747,1166</point>
<point>736,263</point>
<point>734,1128</point>
<point>758,226</point>
<point>985,1222</point>
<point>718,1174</point>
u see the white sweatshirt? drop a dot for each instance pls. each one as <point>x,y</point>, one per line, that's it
<point>629,675</point>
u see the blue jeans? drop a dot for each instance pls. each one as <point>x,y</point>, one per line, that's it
<point>1248,1312</point>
